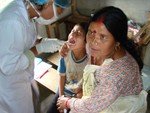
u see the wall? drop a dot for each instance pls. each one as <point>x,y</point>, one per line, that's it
<point>135,9</point>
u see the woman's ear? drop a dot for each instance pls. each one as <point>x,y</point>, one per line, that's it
<point>117,47</point>
<point>117,43</point>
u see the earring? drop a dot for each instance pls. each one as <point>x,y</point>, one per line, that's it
<point>117,47</point>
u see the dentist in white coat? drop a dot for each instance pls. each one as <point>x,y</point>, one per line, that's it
<point>18,49</point>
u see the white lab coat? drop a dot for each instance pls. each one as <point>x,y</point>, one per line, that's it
<point>15,39</point>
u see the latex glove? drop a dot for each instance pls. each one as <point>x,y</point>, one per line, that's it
<point>49,45</point>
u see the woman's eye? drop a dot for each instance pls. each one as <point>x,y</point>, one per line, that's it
<point>102,37</point>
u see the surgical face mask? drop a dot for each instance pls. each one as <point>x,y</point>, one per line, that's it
<point>44,21</point>
<point>40,19</point>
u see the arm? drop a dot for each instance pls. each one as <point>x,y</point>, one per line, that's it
<point>13,43</point>
<point>61,85</point>
<point>47,45</point>
<point>96,103</point>
<point>61,70</point>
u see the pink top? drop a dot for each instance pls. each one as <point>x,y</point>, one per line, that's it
<point>119,78</point>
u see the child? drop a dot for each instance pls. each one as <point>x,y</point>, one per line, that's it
<point>71,66</point>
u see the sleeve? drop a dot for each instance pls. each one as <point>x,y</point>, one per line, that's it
<point>29,54</point>
<point>104,94</point>
<point>61,66</point>
<point>13,60</point>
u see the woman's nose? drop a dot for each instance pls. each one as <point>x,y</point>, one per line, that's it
<point>94,41</point>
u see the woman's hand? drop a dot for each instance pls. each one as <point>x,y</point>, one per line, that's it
<point>62,103</point>
<point>64,50</point>
<point>78,92</point>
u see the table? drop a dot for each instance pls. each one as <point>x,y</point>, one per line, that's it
<point>53,59</point>
<point>50,80</point>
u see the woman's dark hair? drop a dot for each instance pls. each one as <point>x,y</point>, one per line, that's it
<point>116,23</point>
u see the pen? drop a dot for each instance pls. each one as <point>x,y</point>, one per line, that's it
<point>43,74</point>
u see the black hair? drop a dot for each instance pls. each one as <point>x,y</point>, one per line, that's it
<point>116,23</point>
<point>84,25</point>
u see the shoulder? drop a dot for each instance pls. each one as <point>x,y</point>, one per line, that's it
<point>13,12</point>
<point>123,65</point>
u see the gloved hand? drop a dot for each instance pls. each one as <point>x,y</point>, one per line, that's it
<point>49,45</point>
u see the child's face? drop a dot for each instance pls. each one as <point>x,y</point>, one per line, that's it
<point>76,38</point>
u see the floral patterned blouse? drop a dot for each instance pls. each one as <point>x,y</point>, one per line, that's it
<point>119,78</point>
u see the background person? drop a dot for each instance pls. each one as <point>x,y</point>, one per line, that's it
<point>46,11</point>
<point>17,58</point>
<point>116,85</point>
<point>71,67</point>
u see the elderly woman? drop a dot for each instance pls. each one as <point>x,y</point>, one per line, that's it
<point>112,82</point>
